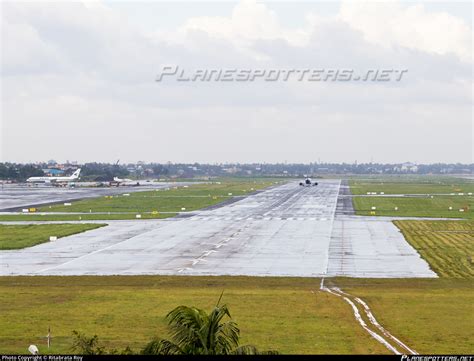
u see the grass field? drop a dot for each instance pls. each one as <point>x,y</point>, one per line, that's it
<point>406,185</point>
<point>273,313</point>
<point>22,236</point>
<point>438,206</point>
<point>172,200</point>
<point>149,204</point>
<point>434,316</point>
<point>286,314</point>
<point>448,246</point>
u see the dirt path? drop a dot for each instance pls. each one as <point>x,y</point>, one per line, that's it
<point>363,314</point>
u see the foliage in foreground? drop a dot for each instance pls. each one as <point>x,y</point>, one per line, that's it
<point>193,332</point>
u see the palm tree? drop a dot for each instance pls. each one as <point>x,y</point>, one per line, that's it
<point>194,332</point>
<point>86,345</point>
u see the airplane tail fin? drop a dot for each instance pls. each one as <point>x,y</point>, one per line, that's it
<point>76,174</point>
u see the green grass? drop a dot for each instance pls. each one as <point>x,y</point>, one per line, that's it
<point>417,185</point>
<point>438,206</point>
<point>147,203</point>
<point>273,313</point>
<point>433,316</point>
<point>173,200</point>
<point>448,246</point>
<point>286,314</point>
<point>22,236</point>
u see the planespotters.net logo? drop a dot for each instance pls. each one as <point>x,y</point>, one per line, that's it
<point>177,73</point>
<point>437,358</point>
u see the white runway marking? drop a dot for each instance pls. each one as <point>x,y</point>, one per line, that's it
<point>284,231</point>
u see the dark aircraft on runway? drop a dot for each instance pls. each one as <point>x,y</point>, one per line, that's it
<point>308,183</point>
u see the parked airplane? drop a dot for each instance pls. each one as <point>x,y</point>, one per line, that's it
<point>128,182</point>
<point>55,180</point>
<point>118,180</point>
<point>308,183</point>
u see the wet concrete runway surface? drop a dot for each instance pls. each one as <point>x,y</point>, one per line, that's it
<point>284,231</point>
<point>16,196</point>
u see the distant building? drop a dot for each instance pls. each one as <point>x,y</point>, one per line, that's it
<point>53,172</point>
<point>406,168</point>
<point>231,170</point>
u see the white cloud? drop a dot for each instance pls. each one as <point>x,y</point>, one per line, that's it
<point>75,75</point>
<point>20,44</point>
<point>388,24</point>
<point>250,21</point>
<point>393,24</point>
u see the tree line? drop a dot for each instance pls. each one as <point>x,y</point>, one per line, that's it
<point>19,172</point>
<point>96,171</point>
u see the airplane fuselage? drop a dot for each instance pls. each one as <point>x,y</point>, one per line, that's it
<point>308,183</point>
<point>71,178</point>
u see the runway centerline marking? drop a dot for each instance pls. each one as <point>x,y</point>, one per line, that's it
<point>287,230</point>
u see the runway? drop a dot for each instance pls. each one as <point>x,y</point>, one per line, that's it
<point>16,196</point>
<point>284,231</point>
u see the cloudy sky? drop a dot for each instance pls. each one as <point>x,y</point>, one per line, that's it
<point>78,82</point>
